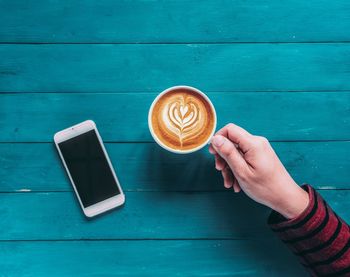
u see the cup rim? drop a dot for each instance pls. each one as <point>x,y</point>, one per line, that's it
<point>159,142</point>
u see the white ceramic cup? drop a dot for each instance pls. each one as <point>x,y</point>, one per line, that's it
<point>160,143</point>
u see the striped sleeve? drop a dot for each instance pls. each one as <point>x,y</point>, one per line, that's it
<point>318,236</point>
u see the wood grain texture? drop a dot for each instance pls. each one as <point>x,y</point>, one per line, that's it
<point>146,215</point>
<point>149,258</point>
<point>278,116</point>
<point>138,21</point>
<point>214,67</point>
<point>147,167</point>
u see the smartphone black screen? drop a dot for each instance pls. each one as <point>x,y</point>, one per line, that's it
<point>89,168</point>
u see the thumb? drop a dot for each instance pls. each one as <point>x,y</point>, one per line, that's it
<point>228,151</point>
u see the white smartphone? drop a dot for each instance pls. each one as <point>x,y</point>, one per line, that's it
<point>89,168</point>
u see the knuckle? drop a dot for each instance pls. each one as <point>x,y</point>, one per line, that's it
<point>261,141</point>
<point>264,141</point>
<point>226,151</point>
<point>231,156</point>
<point>229,126</point>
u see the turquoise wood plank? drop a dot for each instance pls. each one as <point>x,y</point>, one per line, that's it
<point>146,215</point>
<point>147,167</point>
<point>149,258</point>
<point>214,67</point>
<point>278,116</point>
<point>173,21</point>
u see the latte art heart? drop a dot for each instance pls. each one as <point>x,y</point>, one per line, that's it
<point>182,119</point>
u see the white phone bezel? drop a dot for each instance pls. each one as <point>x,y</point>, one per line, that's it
<point>104,205</point>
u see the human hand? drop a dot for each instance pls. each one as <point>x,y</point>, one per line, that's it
<point>249,163</point>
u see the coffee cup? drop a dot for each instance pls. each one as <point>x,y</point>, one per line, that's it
<point>182,119</point>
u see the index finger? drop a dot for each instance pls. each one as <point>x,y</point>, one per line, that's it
<point>237,135</point>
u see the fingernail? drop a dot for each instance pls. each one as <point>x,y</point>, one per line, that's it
<point>218,141</point>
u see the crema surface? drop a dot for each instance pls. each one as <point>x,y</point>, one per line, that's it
<point>182,119</point>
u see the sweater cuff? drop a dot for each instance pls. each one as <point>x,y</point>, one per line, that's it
<point>317,236</point>
<point>277,221</point>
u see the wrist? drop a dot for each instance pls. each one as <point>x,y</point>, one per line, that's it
<point>292,202</point>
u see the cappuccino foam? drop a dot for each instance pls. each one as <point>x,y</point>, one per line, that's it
<point>182,119</point>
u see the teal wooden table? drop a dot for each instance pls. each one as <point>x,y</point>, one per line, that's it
<point>278,68</point>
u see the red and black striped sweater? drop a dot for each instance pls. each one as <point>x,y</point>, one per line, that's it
<point>318,236</point>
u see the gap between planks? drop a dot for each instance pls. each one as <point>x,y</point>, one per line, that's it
<point>128,239</point>
<point>152,142</point>
<point>156,92</point>
<point>325,188</point>
<point>179,43</point>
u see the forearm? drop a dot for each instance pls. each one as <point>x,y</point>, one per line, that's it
<point>318,236</point>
